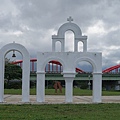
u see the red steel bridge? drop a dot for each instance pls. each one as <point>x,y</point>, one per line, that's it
<point>56,66</point>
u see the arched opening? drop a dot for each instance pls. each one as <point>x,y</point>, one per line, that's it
<point>83,82</point>
<point>69,41</point>
<point>54,81</point>
<point>80,46</point>
<point>54,66</point>
<point>58,46</point>
<point>85,66</point>
<point>13,74</point>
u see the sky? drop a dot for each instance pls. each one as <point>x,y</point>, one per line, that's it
<point>33,22</point>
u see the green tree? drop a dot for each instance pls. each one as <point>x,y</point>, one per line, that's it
<point>12,72</point>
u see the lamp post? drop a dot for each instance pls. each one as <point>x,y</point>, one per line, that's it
<point>89,82</point>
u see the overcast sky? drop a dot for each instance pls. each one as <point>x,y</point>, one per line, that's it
<point>33,22</point>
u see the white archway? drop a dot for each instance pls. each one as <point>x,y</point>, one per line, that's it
<point>93,59</point>
<point>77,33</point>
<point>69,60</point>
<point>25,70</point>
<point>42,60</point>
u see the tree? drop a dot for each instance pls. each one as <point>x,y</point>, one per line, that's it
<point>12,72</point>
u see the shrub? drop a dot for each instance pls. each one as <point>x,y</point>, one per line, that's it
<point>13,84</point>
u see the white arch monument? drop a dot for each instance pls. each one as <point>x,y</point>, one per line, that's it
<point>25,69</point>
<point>69,61</point>
<point>77,33</point>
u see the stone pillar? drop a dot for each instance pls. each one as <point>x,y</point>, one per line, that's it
<point>25,89</point>
<point>62,45</point>
<point>40,86</point>
<point>1,78</point>
<point>97,88</point>
<point>26,80</point>
<point>1,90</point>
<point>53,42</point>
<point>53,45</point>
<point>85,46</point>
<point>69,77</point>
<point>76,45</point>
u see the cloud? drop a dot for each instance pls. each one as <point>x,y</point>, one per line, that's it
<point>33,22</point>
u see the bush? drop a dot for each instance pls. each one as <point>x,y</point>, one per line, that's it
<point>17,84</point>
<point>13,84</point>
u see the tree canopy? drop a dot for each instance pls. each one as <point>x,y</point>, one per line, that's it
<point>12,71</point>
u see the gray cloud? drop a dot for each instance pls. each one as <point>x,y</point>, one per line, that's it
<point>32,24</point>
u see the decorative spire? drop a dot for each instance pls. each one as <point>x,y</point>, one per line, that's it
<point>70,19</point>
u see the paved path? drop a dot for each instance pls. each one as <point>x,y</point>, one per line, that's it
<point>57,99</point>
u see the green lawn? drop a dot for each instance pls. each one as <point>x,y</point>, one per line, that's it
<point>60,112</point>
<point>76,91</point>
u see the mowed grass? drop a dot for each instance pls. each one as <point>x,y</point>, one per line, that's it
<point>60,112</point>
<point>76,91</point>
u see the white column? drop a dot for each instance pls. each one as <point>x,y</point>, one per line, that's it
<point>62,45</point>
<point>85,46</point>
<point>69,77</point>
<point>1,78</point>
<point>1,90</point>
<point>53,45</point>
<point>68,90</point>
<point>97,87</point>
<point>26,79</point>
<point>75,45</point>
<point>40,86</point>
<point>1,86</point>
<point>25,89</point>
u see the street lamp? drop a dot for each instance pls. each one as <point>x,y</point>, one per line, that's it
<point>89,82</point>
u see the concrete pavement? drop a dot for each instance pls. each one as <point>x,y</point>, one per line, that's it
<point>58,99</point>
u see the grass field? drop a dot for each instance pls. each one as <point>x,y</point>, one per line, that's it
<point>76,91</point>
<point>60,112</point>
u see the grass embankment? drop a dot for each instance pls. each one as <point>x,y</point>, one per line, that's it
<point>60,112</point>
<point>76,91</point>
